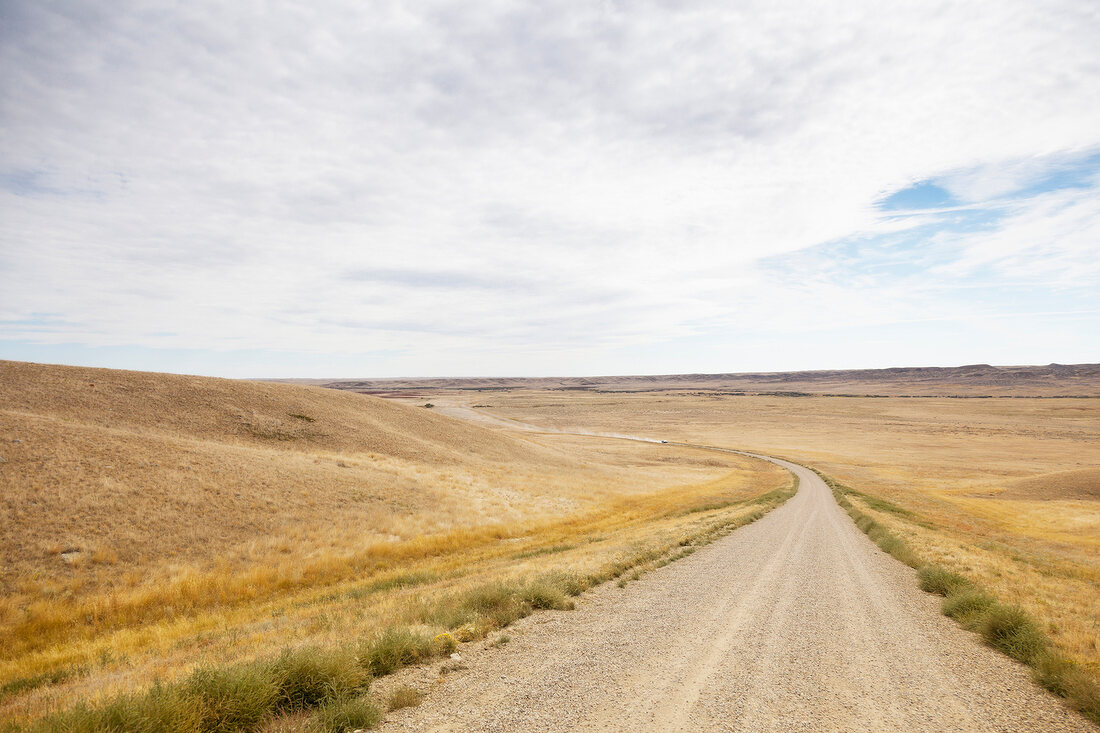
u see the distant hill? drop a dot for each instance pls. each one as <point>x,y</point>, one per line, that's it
<point>1052,380</point>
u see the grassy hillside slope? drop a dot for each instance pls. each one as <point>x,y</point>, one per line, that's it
<point>124,469</point>
<point>150,522</point>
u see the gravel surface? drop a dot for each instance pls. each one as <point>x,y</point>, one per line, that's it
<point>795,623</point>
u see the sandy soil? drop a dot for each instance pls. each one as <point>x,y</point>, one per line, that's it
<point>796,622</point>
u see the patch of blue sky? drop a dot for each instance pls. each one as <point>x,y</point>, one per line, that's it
<point>1081,173</point>
<point>919,196</point>
<point>1053,173</point>
<point>929,239</point>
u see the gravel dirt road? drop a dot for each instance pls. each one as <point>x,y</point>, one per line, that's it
<point>794,623</point>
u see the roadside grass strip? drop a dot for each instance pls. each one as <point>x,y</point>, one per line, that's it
<point>329,686</point>
<point>1006,628</point>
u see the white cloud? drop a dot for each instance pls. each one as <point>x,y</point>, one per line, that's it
<point>595,175</point>
<point>1001,178</point>
<point>1052,238</point>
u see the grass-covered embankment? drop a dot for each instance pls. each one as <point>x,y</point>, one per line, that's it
<point>1005,627</point>
<point>326,687</point>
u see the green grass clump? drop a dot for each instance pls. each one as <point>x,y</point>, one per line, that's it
<point>1081,690</point>
<point>395,648</point>
<point>230,699</point>
<point>574,585</point>
<point>310,676</point>
<point>967,605</point>
<point>348,714</point>
<point>1011,630</point>
<point>1066,679</point>
<point>893,545</point>
<point>934,579</point>
<point>545,594</point>
<point>235,699</point>
<point>162,708</point>
<point>499,604</point>
<point>1054,673</point>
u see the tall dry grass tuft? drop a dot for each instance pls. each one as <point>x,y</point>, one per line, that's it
<point>404,696</point>
<point>395,648</point>
<point>359,713</point>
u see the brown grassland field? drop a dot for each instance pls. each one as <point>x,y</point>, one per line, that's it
<point>155,529</point>
<point>153,525</point>
<point>1005,491</point>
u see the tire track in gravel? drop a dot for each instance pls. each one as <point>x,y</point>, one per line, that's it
<point>672,712</point>
<point>796,622</point>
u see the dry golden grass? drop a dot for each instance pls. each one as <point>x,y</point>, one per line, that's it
<point>1082,483</point>
<point>1002,490</point>
<point>168,473</point>
<point>156,522</point>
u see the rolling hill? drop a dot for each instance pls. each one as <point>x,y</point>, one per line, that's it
<point>110,476</point>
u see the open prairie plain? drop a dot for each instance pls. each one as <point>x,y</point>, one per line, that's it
<point>193,554</point>
<point>152,525</point>
<point>1003,490</point>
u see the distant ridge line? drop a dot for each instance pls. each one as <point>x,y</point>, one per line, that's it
<point>971,380</point>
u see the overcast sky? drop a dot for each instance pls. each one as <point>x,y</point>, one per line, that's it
<point>498,188</point>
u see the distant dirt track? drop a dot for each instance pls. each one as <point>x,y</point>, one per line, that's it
<point>794,623</point>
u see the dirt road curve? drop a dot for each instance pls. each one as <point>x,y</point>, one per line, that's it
<point>794,623</point>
